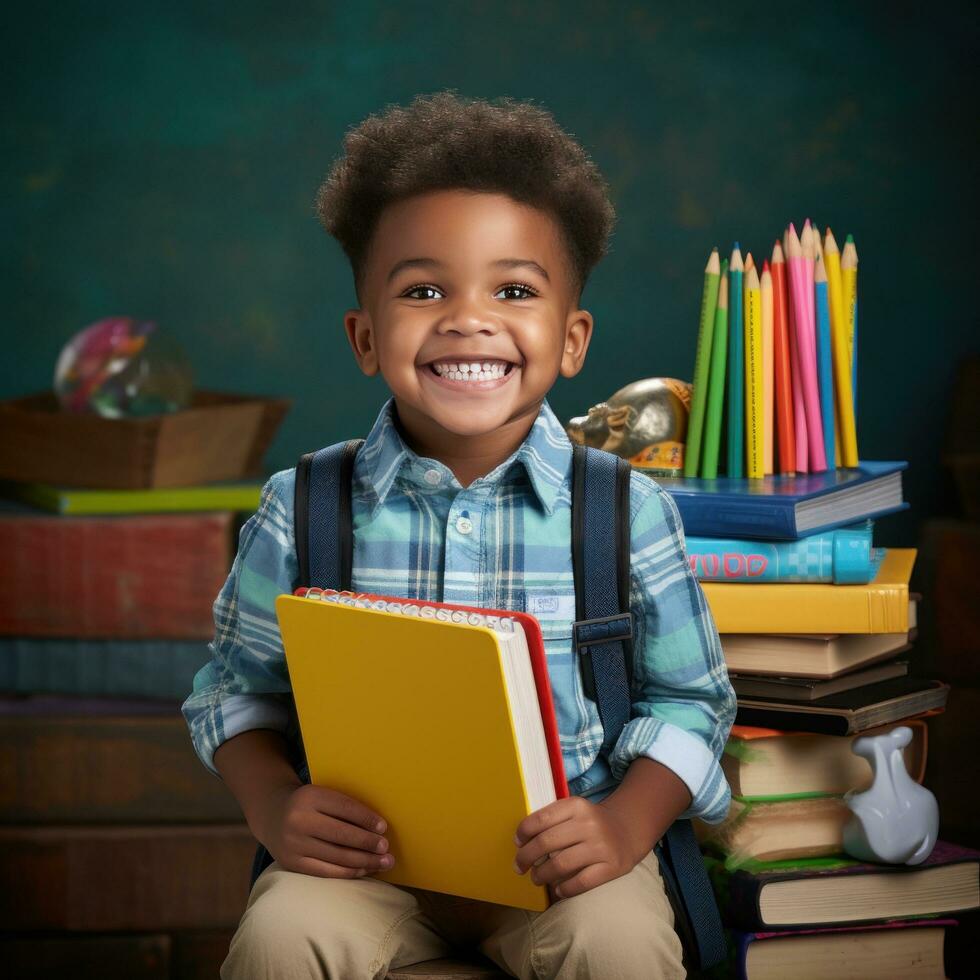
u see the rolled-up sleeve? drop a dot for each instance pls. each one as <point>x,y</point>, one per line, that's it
<point>683,704</point>
<point>245,684</point>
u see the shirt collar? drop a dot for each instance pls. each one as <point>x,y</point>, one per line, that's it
<point>546,455</point>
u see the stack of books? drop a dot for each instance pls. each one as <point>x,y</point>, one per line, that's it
<point>117,837</point>
<point>815,622</point>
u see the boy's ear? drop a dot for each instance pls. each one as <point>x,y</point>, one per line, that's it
<point>360,333</point>
<point>578,333</point>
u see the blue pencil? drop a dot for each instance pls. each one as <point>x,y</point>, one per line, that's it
<point>736,367</point>
<point>825,364</point>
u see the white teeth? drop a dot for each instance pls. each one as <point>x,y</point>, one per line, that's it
<point>471,371</point>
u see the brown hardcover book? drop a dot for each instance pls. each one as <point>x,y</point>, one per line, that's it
<point>110,767</point>
<point>141,957</point>
<point>132,577</point>
<point>132,878</point>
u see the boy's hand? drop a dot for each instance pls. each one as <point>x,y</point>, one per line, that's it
<point>573,845</point>
<point>319,831</point>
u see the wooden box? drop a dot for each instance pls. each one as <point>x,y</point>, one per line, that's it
<point>218,437</point>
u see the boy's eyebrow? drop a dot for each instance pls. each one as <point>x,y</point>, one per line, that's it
<point>498,264</point>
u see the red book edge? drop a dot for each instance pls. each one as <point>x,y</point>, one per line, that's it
<point>539,666</point>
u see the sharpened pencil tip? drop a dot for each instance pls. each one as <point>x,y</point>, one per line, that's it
<point>792,228</point>
<point>736,247</point>
<point>850,238</point>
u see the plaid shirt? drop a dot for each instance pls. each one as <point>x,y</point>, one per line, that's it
<point>504,542</point>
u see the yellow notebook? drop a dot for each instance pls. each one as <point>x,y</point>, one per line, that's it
<point>426,722</point>
<point>881,606</point>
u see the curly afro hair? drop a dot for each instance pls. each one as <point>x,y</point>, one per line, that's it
<point>443,142</point>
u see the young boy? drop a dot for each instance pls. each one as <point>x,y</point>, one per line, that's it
<point>471,229</point>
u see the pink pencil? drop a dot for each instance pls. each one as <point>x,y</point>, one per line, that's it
<point>801,463</point>
<point>806,343</point>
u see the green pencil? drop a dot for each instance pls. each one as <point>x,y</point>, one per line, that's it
<point>716,384</point>
<point>702,363</point>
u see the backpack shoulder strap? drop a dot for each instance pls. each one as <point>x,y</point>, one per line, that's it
<point>603,630</point>
<point>322,509</point>
<point>603,639</point>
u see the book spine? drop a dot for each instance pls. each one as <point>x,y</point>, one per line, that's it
<point>125,877</point>
<point>818,608</point>
<point>159,669</point>
<point>105,769</point>
<point>714,515</point>
<point>841,556</point>
<point>408,608</point>
<point>112,577</point>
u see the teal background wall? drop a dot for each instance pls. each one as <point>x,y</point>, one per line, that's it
<point>160,160</point>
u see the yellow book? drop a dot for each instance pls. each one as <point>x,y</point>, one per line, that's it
<point>881,606</point>
<point>436,726</point>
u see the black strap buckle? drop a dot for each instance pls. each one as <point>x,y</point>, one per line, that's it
<point>588,633</point>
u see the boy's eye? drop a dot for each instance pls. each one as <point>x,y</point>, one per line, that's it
<point>519,287</point>
<point>408,294</point>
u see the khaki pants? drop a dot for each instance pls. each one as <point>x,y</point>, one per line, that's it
<point>300,926</point>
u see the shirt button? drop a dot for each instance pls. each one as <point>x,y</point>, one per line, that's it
<point>432,477</point>
<point>464,525</point>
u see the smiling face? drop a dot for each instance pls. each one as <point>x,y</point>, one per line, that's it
<point>469,315</point>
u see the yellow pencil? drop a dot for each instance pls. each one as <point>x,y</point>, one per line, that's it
<point>768,378</point>
<point>749,264</point>
<point>842,362</point>
<point>849,281</point>
<point>754,402</point>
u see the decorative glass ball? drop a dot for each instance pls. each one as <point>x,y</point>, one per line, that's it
<point>121,367</point>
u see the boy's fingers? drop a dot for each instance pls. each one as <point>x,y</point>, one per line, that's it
<point>548,816</point>
<point>555,839</point>
<point>325,869</point>
<point>345,857</point>
<point>335,804</point>
<point>563,865</point>
<point>334,831</point>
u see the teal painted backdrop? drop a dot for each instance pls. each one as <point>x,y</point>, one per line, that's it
<point>160,160</point>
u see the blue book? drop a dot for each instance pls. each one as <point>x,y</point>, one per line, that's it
<point>160,669</point>
<point>787,507</point>
<point>843,556</point>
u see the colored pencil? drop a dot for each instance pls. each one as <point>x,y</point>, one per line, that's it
<point>754,406</point>
<point>807,353</point>
<point>825,369</point>
<point>702,365</point>
<point>781,358</point>
<point>842,365</point>
<point>736,346</point>
<point>716,382</point>
<point>849,282</point>
<point>768,388</point>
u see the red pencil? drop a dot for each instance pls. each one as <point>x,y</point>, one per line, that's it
<point>781,364</point>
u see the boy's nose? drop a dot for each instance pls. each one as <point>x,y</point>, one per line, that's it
<point>468,320</point>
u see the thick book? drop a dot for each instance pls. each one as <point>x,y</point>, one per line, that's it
<point>768,764</point>
<point>787,507</point>
<point>238,496</point>
<point>160,669</point>
<point>776,830</point>
<point>787,688</point>
<point>69,760</point>
<point>887,951</point>
<point>852,711</point>
<point>844,556</point>
<point>438,717</point>
<point>123,877</point>
<point>135,577</point>
<point>881,606</point>
<point>812,655</point>
<point>839,891</point>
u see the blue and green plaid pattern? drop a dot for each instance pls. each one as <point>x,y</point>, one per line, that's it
<point>504,542</point>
